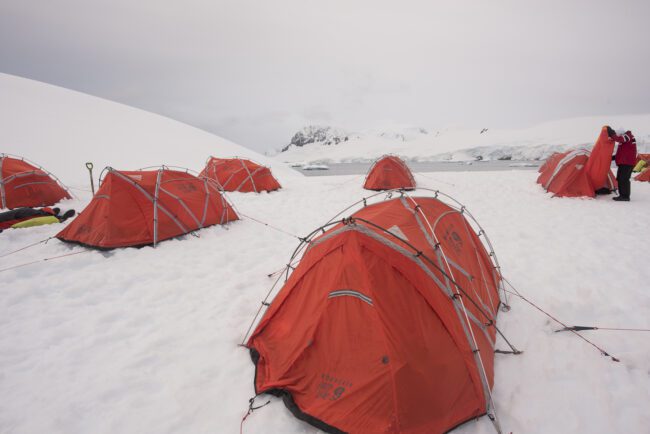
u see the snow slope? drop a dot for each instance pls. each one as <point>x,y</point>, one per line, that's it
<point>61,130</point>
<point>455,144</point>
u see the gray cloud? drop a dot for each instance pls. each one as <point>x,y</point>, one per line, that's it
<point>256,71</point>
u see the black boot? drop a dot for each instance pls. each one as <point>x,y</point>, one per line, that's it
<point>621,199</point>
<point>66,215</point>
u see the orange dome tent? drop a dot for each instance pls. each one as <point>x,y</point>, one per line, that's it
<point>238,174</point>
<point>389,172</point>
<point>551,161</point>
<point>24,184</point>
<point>643,176</point>
<point>387,324</point>
<point>580,172</point>
<point>137,208</point>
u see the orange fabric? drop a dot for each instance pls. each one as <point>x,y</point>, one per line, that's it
<point>552,160</point>
<point>569,178</point>
<point>238,174</point>
<point>389,172</point>
<point>22,184</point>
<point>581,172</point>
<point>401,362</point>
<point>644,157</point>
<point>643,176</point>
<point>600,160</point>
<point>121,213</point>
<point>546,169</point>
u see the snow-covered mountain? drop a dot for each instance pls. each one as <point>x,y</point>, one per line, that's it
<point>61,130</point>
<point>458,144</point>
<point>320,135</point>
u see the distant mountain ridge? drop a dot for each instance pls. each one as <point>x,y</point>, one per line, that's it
<point>323,135</point>
<point>325,144</point>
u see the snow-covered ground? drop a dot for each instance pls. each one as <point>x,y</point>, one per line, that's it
<point>146,340</point>
<point>457,144</point>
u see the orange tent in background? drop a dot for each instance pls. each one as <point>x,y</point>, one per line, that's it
<point>389,172</point>
<point>568,177</point>
<point>600,160</point>
<point>644,157</point>
<point>580,172</point>
<point>370,335</point>
<point>551,161</point>
<point>643,176</point>
<point>25,184</point>
<point>238,174</point>
<point>137,208</point>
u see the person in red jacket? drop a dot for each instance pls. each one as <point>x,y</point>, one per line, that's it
<point>625,158</point>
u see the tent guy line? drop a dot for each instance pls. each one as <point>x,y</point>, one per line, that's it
<point>44,260</point>
<point>516,293</point>
<point>27,247</point>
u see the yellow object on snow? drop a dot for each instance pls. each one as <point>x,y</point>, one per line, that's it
<point>36,221</point>
<point>639,166</point>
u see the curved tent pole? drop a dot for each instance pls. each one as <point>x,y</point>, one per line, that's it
<point>307,240</point>
<point>563,162</point>
<point>456,205</point>
<point>213,165</point>
<point>473,344</point>
<point>155,207</point>
<point>39,167</point>
<point>151,199</point>
<point>401,162</point>
<point>101,175</point>
<point>481,232</point>
<point>249,176</point>
<point>169,167</point>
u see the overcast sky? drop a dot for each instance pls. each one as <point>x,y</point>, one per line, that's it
<point>256,71</point>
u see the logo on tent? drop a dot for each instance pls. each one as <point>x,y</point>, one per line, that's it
<point>454,240</point>
<point>395,230</point>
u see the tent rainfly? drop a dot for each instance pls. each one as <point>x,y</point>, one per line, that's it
<point>25,184</point>
<point>580,172</point>
<point>239,174</point>
<point>137,208</point>
<point>388,323</point>
<point>389,172</point>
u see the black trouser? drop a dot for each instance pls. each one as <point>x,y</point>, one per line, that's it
<point>623,175</point>
<point>21,213</point>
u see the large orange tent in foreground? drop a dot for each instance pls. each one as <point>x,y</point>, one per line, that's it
<point>25,184</point>
<point>580,172</point>
<point>387,325</point>
<point>389,172</point>
<point>239,174</point>
<point>137,208</point>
